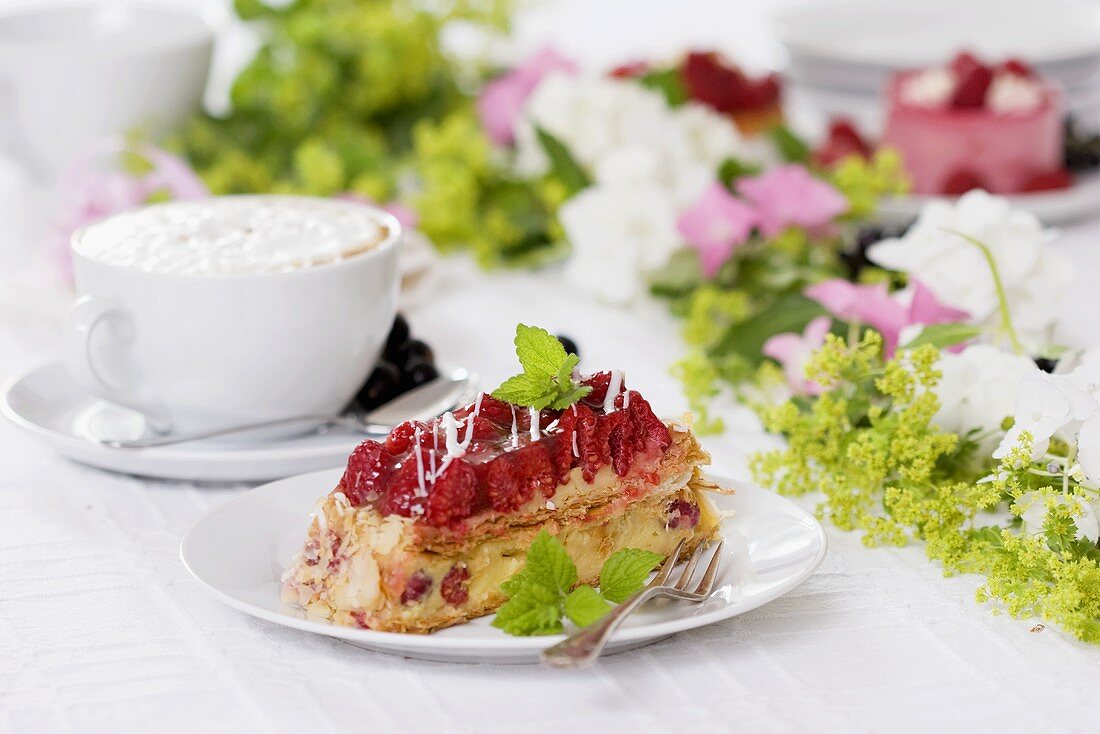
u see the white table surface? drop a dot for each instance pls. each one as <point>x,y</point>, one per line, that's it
<point>101,630</point>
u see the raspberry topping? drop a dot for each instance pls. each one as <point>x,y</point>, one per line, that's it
<point>453,587</point>
<point>494,462</point>
<point>416,588</point>
<point>844,140</point>
<point>974,79</point>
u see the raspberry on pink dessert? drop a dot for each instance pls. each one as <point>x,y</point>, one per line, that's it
<point>970,124</point>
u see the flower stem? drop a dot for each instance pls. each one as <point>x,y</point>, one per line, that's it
<point>1002,298</point>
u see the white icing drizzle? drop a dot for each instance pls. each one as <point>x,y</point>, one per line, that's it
<point>550,505</point>
<point>456,449</point>
<point>515,428</point>
<point>419,465</point>
<point>551,426</point>
<point>576,453</point>
<point>613,390</point>
<point>450,434</point>
<point>431,464</point>
<point>535,435</point>
<point>626,399</point>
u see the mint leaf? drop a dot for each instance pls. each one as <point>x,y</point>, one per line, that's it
<point>529,613</point>
<point>563,166</point>
<point>585,605</point>
<point>547,379</point>
<point>624,573</point>
<point>549,565</point>
<point>944,335</point>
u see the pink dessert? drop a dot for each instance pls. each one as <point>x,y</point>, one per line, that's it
<point>970,125</point>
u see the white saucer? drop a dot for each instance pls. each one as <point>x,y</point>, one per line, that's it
<point>1079,202</point>
<point>238,553</point>
<point>48,405</point>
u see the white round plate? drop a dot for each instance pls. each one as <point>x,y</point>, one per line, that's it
<point>239,551</point>
<point>1080,201</point>
<point>47,404</point>
<point>855,43</point>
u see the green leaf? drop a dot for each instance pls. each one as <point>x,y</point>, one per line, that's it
<point>549,565</point>
<point>624,573</point>
<point>529,613</point>
<point>942,336</point>
<point>585,605</point>
<point>523,390</point>
<point>563,166</point>
<point>669,83</point>
<point>789,313</point>
<point>565,399</point>
<point>539,351</point>
<point>732,169</point>
<point>680,275</point>
<point>792,148</point>
<point>547,379</point>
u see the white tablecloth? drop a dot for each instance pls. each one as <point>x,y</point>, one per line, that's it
<point>101,630</point>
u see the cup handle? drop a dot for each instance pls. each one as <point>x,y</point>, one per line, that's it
<point>88,367</point>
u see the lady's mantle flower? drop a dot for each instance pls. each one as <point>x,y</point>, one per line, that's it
<point>788,196</point>
<point>955,270</point>
<point>1033,508</point>
<point>502,100</point>
<point>793,351</point>
<point>715,225</point>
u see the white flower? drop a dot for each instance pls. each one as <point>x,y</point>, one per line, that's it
<point>618,233</point>
<point>1035,513</point>
<point>978,390</point>
<point>1088,449</point>
<point>956,271</point>
<point>1047,406</point>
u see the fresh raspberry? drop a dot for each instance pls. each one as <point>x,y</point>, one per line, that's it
<point>495,410</point>
<point>507,489</point>
<point>844,140</point>
<point>453,587</point>
<point>682,514</point>
<point>629,70</point>
<point>533,464</point>
<point>561,453</point>
<point>964,63</point>
<point>961,181</point>
<point>416,588</point>
<point>592,435</point>
<point>368,468</point>
<point>599,382</point>
<point>401,496</point>
<point>647,423</point>
<point>1017,67</point>
<point>620,441</point>
<point>971,87</point>
<point>1051,181</point>
<point>400,439</point>
<point>452,495</point>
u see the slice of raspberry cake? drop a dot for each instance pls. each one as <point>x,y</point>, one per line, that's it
<point>426,525</point>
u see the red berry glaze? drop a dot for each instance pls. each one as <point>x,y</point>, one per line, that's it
<point>417,587</point>
<point>502,467</point>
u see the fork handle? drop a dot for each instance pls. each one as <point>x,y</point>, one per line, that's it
<point>581,649</point>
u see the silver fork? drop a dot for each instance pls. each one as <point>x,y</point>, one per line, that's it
<point>581,649</point>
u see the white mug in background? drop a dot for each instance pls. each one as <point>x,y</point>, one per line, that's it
<point>195,352</point>
<point>75,72</point>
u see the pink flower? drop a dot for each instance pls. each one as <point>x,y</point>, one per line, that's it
<point>87,193</point>
<point>874,306</point>
<point>788,196</point>
<point>501,101</point>
<point>793,351</point>
<point>715,225</point>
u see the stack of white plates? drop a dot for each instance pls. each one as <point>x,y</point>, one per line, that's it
<point>843,51</point>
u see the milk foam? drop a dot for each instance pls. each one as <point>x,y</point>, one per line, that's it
<point>234,235</point>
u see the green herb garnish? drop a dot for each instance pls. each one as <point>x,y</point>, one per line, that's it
<point>542,592</point>
<point>547,378</point>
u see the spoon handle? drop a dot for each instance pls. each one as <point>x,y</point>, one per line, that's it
<point>321,421</point>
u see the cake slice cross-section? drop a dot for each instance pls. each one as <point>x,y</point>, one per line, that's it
<point>425,526</point>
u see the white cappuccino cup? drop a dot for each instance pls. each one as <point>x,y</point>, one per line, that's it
<point>231,310</point>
